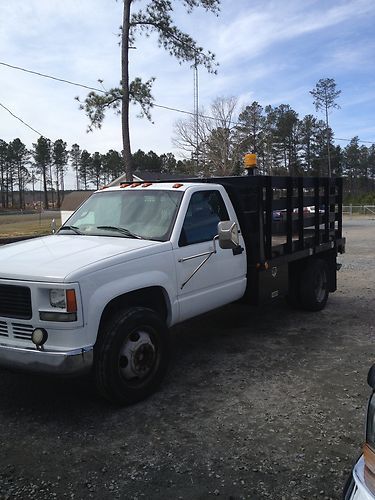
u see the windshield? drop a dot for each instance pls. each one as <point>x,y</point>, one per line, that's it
<point>128,214</point>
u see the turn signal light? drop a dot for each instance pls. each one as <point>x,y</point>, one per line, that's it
<point>71,301</point>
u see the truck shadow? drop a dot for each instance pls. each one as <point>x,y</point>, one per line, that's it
<point>248,339</point>
<point>233,339</point>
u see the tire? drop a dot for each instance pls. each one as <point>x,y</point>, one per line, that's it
<point>314,285</point>
<point>131,356</point>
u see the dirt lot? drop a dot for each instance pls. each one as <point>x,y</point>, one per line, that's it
<point>265,403</point>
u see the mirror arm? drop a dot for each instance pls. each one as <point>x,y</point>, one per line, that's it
<point>205,254</point>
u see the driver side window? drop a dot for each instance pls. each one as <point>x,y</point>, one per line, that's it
<point>206,209</point>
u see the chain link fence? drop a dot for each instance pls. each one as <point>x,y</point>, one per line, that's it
<point>358,210</point>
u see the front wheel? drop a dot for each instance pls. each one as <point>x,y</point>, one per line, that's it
<point>131,355</point>
<point>314,286</point>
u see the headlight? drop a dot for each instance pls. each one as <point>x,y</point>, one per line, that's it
<point>64,302</point>
<point>63,299</point>
<point>57,298</point>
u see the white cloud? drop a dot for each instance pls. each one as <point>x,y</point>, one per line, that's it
<point>255,30</point>
<point>269,51</point>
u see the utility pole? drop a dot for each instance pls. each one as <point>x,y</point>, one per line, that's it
<point>196,111</point>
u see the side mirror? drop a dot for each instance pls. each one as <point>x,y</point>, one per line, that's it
<point>228,234</point>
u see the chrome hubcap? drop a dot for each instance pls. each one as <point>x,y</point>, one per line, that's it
<point>137,356</point>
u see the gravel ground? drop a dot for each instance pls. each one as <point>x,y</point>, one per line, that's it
<point>258,403</point>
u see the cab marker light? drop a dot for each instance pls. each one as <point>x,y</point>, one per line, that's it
<point>146,184</point>
<point>176,186</point>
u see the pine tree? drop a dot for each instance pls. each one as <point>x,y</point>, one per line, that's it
<point>250,132</point>
<point>84,168</point>
<point>75,156</point>
<point>3,172</point>
<point>60,160</point>
<point>325,95</point>
<point>153,17</point>
<point>95,170</point>
<point>18,157</point>
<point>42,158</point>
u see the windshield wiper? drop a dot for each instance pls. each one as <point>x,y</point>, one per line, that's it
<point>71,228</point>
<point>121,230</point>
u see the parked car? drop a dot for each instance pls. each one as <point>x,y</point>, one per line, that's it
<point>361,482</point>
<point>310,210</point>
<point>278,215</point>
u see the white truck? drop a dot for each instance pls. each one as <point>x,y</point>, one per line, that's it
<point>361,482</point>
<point>133,260</point>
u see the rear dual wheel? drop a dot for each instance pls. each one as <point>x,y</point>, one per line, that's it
<point>309,287</point>
<point>131,355</point>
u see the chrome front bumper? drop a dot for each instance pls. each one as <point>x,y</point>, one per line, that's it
<point>75,362</point>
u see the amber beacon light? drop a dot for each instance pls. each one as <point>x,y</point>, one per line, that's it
<point>250,162</point>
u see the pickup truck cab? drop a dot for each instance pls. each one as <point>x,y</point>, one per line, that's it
<point>133,260</point>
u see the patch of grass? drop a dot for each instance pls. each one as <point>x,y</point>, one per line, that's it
<point>27,224</point>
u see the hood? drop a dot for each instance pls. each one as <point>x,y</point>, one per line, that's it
<point>53,258</point>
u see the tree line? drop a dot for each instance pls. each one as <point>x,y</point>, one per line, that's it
<point>285,144</point>
<point>214,145</point>
<point>44,168</point>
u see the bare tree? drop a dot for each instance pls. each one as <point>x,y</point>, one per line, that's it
<point>218,149</point>
<point>191,136</point>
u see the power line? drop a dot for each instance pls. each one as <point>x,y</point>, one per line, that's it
<point>51,77</point>
<point>100,90</point>
<point>20,119</point>
<point>169,108</point>
<point>348,140</point>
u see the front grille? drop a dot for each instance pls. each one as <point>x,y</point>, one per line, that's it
<point>3,329</point>
<point>21,331</point>
<point>15,302</point>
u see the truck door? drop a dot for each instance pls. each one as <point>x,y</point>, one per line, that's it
<point>221,279</point>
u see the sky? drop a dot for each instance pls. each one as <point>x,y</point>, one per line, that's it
<point>269,51</point>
